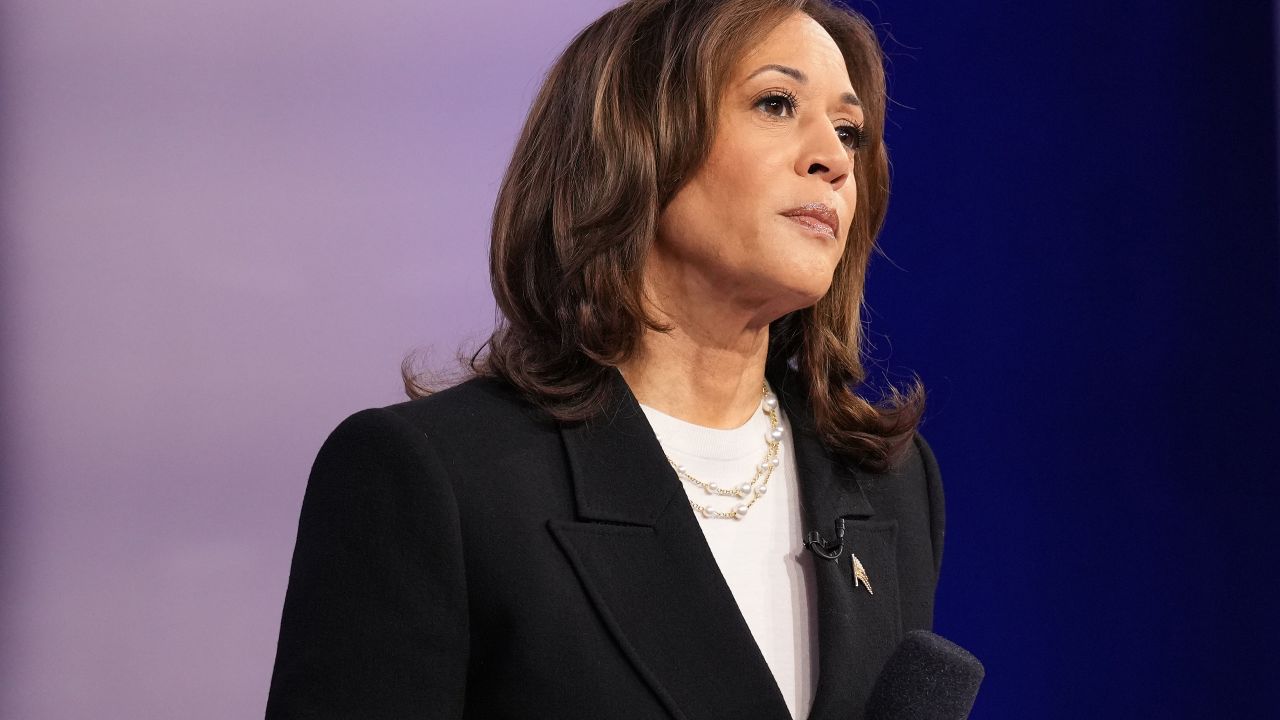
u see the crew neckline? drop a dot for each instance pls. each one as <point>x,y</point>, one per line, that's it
<point>682,436</point>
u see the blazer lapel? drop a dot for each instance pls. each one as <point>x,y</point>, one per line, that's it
<point>858,628</point>
<point>646,565</point>
<point>644,562</point>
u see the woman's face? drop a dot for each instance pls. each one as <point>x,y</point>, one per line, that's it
<point>783,143</point>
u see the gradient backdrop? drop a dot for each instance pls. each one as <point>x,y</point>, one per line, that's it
<point>225,223</point>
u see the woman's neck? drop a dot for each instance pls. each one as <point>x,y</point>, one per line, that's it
<point>708,370</point>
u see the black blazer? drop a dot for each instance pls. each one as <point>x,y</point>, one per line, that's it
<point>464,556</point>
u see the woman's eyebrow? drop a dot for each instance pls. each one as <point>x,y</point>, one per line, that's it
<point>800,77</point>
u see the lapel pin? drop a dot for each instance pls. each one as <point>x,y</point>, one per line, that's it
<point>860,573</point>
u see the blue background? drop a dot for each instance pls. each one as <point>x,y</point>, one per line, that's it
<point>1081,262</point>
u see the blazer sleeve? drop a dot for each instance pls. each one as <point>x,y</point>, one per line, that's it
<point>937,503</point>
<point>375,615</point>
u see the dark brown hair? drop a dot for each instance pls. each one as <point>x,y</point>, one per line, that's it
<point>625,114</point>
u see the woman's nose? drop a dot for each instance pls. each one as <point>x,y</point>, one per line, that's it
<point>828,157</point>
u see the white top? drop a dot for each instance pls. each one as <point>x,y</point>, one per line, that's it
<point>762,555</point>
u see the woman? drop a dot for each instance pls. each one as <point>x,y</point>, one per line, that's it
<point>608,520</point>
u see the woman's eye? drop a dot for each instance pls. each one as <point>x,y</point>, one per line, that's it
<point>777,105</point>
<point>853,136</point>
<point>782,105</point>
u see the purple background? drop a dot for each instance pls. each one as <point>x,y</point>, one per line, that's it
<point>225,223</point>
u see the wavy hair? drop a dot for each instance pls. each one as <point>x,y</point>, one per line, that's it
<point>624,115</point>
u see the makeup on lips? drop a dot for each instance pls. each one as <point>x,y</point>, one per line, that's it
<point>816,218</point>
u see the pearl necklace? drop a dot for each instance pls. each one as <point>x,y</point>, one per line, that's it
<point>759,484</point>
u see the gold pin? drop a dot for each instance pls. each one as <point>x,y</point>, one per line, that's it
<point>860,573</point>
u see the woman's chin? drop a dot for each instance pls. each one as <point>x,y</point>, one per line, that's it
<point>797,293</point>
<point>809,283</point>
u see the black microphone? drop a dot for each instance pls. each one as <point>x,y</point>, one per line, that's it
<point>927,678</point>
<point>827,549</point>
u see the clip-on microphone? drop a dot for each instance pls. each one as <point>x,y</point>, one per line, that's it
<point>824,549</point>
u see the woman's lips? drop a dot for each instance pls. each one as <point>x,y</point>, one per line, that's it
<point>817,217</point>
<point>813,225</point>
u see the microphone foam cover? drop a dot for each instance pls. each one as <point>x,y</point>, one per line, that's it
<point>927,678</point>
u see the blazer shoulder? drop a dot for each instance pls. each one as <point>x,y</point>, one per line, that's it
<point>479,418</point>
<point>480,404</point>
<point>372,441</point>
<point>937,500</point>
<point>480,426</point>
